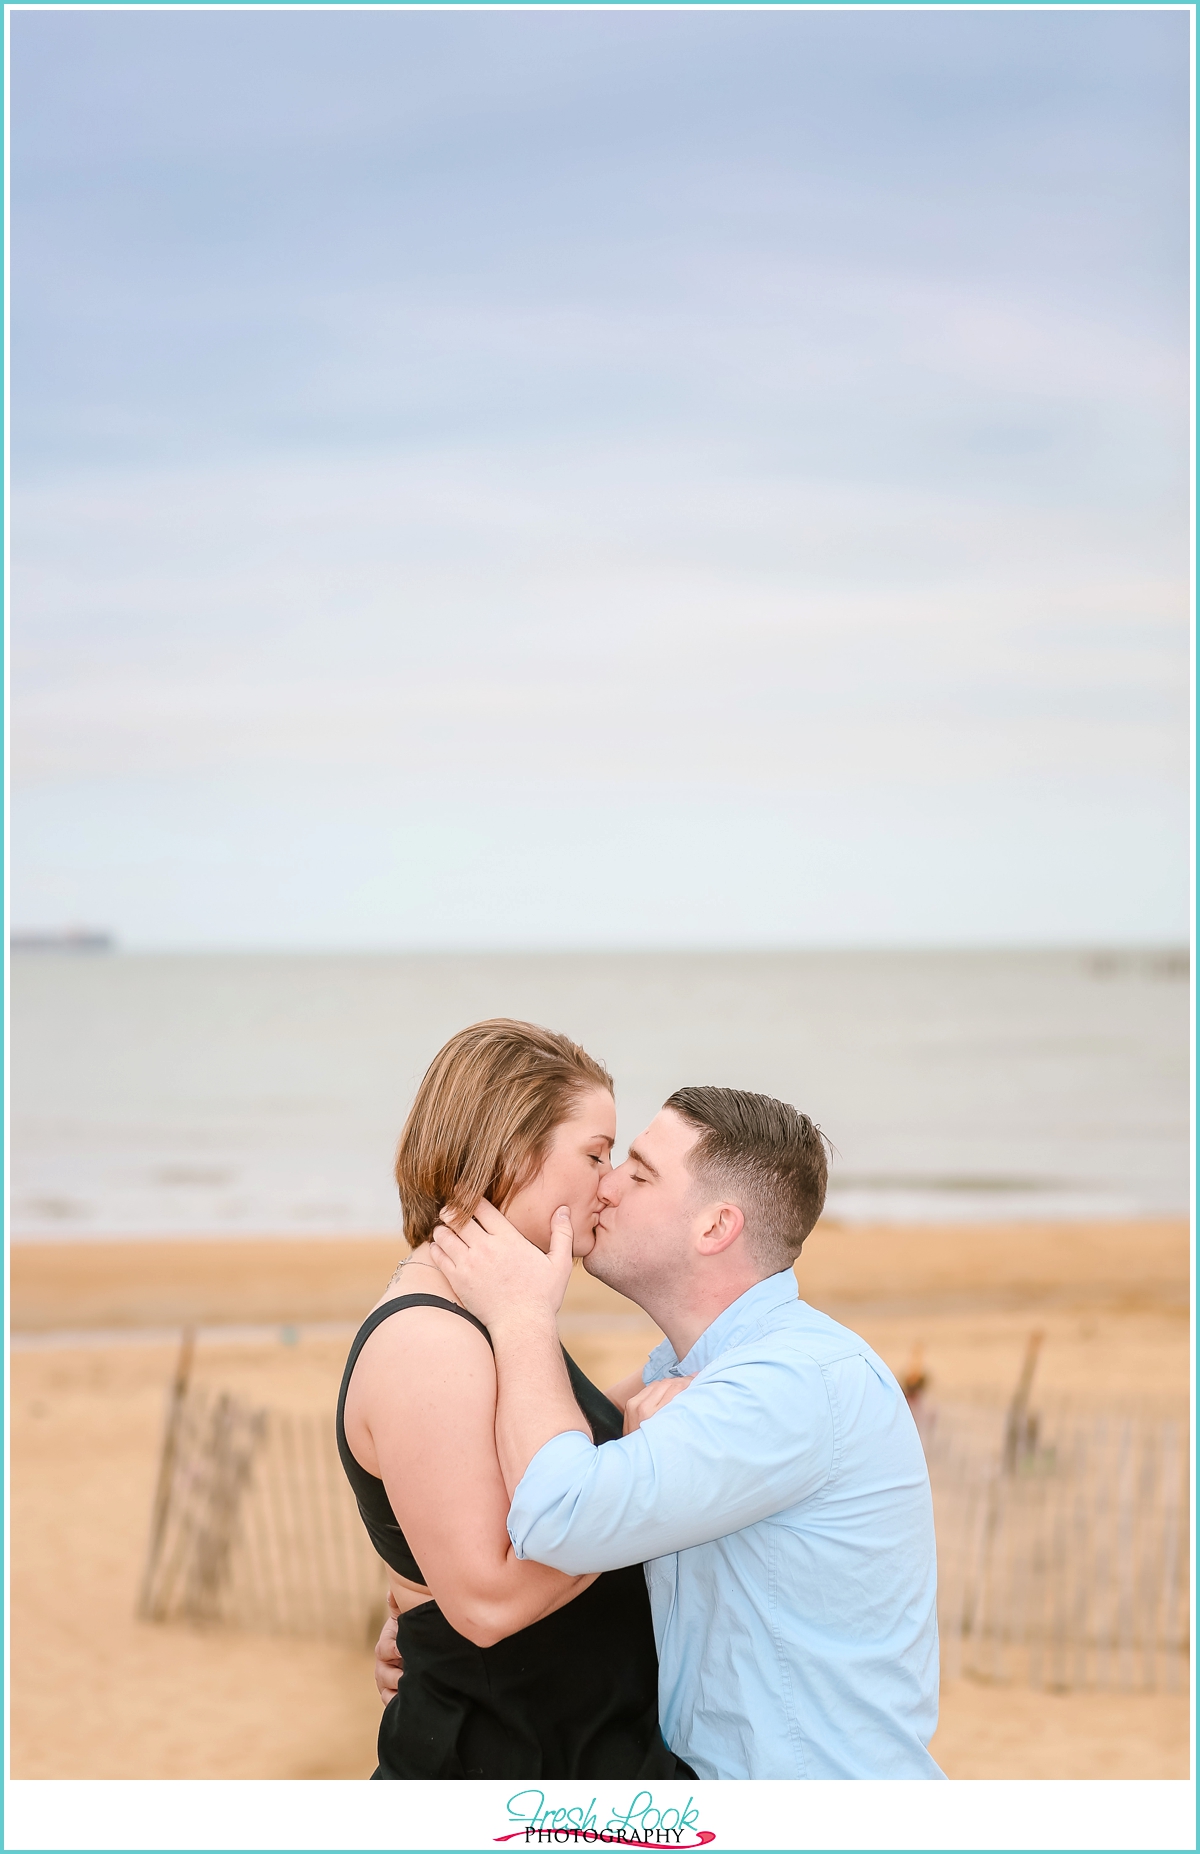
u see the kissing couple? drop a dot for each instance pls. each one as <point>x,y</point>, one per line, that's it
<point>722,1566</point>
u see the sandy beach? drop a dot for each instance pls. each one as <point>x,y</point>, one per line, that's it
<point>96,1329</point>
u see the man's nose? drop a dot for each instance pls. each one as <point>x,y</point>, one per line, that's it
<point>607,1188</point>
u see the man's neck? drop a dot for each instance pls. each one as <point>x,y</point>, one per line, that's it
<point>683,1321</point>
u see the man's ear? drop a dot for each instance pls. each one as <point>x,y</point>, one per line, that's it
<point>723,1225</point>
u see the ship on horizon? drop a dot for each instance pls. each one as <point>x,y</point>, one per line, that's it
<point>62,940</point>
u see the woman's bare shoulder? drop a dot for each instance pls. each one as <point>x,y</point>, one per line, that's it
<point>411,1333</point>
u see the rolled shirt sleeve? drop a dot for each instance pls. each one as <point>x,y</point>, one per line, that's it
<point>749,1437</point>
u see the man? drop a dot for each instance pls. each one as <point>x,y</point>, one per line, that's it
<point>781,1502</point>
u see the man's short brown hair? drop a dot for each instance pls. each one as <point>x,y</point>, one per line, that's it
<point>770,1155</point>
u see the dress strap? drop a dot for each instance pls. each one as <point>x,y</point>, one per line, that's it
<point>397,1305</point>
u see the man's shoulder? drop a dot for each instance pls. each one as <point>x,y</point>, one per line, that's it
<point>800,1327</point>
<point>801,1338</point>
<point>789,1333</point>
<point>795,1335</point>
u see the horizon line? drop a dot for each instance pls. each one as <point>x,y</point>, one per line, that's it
<point>97,944</point>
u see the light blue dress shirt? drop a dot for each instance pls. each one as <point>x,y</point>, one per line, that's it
<point>782,1508</point>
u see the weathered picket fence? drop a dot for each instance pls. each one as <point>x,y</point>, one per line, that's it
<point>254,1524</point>
<point>1062,1534</point>
<point>1063,1544</point>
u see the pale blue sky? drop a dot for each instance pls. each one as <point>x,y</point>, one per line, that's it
<point>665,478</point>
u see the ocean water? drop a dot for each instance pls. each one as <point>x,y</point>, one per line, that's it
<point>254,1094</point>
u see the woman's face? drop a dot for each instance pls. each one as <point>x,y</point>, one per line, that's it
<point>578,1157</point>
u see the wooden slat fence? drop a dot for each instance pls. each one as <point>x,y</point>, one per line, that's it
<point>1063,1548</point>
<point>1063,1536</point>
<point>255,1526</point>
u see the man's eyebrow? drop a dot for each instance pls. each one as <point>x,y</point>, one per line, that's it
<point>645,1164</point>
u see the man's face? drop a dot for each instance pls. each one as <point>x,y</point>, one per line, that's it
<point>649,1211</point>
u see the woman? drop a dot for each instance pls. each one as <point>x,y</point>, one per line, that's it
<point>511,1669</point>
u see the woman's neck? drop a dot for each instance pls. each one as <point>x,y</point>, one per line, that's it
<point>409,1283</point>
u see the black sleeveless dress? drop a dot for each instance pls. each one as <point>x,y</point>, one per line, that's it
<point>573,1695</point>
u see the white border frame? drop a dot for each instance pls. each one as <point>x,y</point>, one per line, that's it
<point>155,1815</point>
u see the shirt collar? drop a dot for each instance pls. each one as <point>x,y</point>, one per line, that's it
<point>738,1322</point>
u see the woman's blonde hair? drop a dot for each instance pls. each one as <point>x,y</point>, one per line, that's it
<point>483,1115</point>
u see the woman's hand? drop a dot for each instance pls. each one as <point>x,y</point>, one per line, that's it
<point>496,1273</point>
<point>389,1663</point>
<point>648,1402</point>
<point>625,1388</point>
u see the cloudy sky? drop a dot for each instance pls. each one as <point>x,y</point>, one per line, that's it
<point>635,478</point>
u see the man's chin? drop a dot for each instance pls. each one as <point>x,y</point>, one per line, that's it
<point>593,1261</point>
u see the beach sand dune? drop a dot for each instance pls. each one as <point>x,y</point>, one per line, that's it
<point>98,1694</point>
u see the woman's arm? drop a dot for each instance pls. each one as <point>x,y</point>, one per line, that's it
<point>421,1413</point>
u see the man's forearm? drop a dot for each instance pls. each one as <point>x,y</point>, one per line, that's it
<point>534,1393</point>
